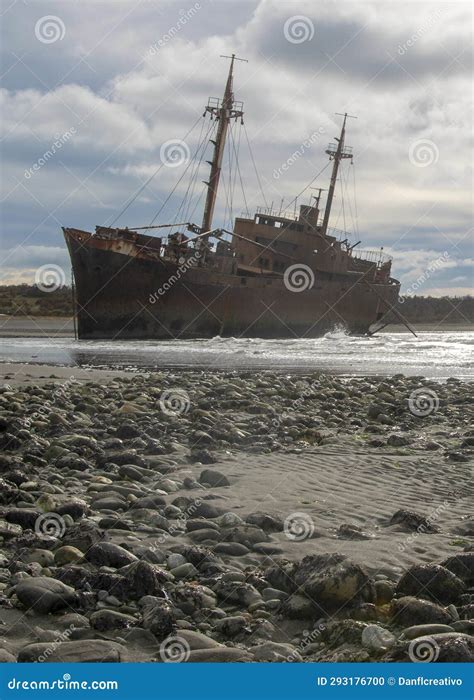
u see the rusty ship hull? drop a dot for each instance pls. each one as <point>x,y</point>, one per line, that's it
<point>126,291</point>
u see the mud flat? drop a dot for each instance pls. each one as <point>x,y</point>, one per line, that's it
<point>218,516</point>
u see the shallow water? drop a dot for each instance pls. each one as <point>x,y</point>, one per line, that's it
<point>434,354</point>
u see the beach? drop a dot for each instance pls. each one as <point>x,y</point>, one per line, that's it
<point>204,515</point>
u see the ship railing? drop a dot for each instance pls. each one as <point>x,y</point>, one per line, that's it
<point>374,256</point>
<point>277,213</point>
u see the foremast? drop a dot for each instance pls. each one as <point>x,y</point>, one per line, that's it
<point>223,111</point>
<point>336,153</point>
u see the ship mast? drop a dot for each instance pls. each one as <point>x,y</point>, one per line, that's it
<point>336,153</point>
<point>223,110</point>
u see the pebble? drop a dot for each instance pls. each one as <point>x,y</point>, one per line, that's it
<point>377,638</point>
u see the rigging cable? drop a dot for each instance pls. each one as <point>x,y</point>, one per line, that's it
<point>146,183</point>
<point>308,185</point>
<point>191,162</point>
<point>185,202</point>
<point>255,167</point>
<point>240,177</point>
<point>355,201</point>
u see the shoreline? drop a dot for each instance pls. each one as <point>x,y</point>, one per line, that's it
<point>63,327</point>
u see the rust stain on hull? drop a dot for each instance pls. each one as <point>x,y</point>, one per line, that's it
<point>125,289</point>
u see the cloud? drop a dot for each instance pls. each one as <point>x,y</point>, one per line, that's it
<point>401,68</point>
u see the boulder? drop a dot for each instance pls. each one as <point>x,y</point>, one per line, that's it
<point>45,595</point>
<point>332,581</point>
<point>80,651</point>
<point>431,581</point>
<point>109,554</point>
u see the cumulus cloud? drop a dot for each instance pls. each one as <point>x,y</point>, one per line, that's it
<point>130,77</point>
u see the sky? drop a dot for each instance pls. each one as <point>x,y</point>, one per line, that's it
<point>99,95</point>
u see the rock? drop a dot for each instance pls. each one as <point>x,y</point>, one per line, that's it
<point>157,617</point>
<point>377,638</point>
<point>298,607</point>
<point>412,522</point>
<point>265,521</point>
<point>198,524</point>
<point>40,556</point>
<point>175,560</point>
<point>186,570</point>
<point>203,456</point>
<point>207,535</point>
<point>230,520</point>
<point>74,507</point>
<point>461,565</point>
<point>67,555</point>
<point>231,549</point>
<point>275,652</point>
<point>197,640</point>
<point>104,620</point>
<point>81,651</point>
<point>25,517</point>
<point>408,611</point>
<point>343,632</point>
<point>447,647</point>
<point>45,595</point>
<point>424,630</point>
<point>219,655</point>
<point>213,478</point>
<point>233,626</point>
<point>247,535</point>
<point>397,440</point>
<point>109,554</point>
<point>8,530</point>
<point>6,657</point>
<point>332,581</point>
<point>83,535</point>
<point>352,532</point>
<point>431,581</point>
<point>384,591</point>
<point>241,593</point>
<point>144,579</point>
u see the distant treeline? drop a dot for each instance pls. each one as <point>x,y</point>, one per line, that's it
<point>28,300</point>
<point>438,309</point>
